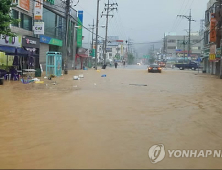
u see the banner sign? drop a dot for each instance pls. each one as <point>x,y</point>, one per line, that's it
<point>79,30</point>
<point>93,52</point>
<point>218,53</point>
<point>38,9</point>
<point>11,41</point>
<point>212,56</point>
<point>49,40</point>
<point>38,28</point>
<point>30,42</point>
<point>109,50</point>
<point>52,2</point>
<point>213,33</point>
<point>24,4</point>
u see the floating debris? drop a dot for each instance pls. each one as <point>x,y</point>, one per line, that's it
<point>137,84</point>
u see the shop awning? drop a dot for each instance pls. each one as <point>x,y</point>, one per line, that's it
<point>19,51</point>
<point>82,55</point>
<point>7,49</point>
<point>82,52</point>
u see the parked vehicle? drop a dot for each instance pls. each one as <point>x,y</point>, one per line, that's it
<point>190,65</point>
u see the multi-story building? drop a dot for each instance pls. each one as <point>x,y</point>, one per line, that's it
<point>24,34</point>
<point>174,45</point>
<point>54,18</point>
<point>210,66</point>
<point>24,12</point>
<point>116,50</point>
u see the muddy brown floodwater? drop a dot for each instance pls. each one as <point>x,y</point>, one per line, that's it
<point>105,123</point>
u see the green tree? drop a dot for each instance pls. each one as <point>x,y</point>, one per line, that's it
<point>6,18</point>
<point>130,59</point>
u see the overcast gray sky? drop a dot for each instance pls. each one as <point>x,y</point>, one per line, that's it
<point>145,20</point>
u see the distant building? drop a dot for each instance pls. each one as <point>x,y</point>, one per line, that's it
<point>116,49</point>
<point>174,45</point>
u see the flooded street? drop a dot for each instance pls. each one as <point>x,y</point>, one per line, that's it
<point>106,123</point>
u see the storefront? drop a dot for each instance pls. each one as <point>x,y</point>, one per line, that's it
<point>9,45</point>
<point>48,44</point>
<point>32,45</point>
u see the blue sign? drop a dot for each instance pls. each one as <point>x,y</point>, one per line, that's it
<point>45,39</point>
<point>49,40</point>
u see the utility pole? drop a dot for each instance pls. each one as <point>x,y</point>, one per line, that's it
<point>108,8</point>
<point>97,32</point>
<point>66,37</point>
<point>190,20</point>
<point>92,27</point>
<point>184,39</point>
<point>189,49</point>
<point>164,47</point>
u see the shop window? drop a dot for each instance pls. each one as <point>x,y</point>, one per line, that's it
<point>50,23</point>
<point>15,15</point>
<point>194,48</point>
<point>15,1</point>
<point>171,47</point>
<point>171,41</point>
<point>26,22</point>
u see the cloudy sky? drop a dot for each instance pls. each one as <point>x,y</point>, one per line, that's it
<point>144,20</point>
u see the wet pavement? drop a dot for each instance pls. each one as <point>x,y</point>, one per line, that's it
<point>105,123</point>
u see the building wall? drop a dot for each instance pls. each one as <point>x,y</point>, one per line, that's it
<point>53,16</point>
<point>210,3</point>
<point>175,42</point>
<point>42,56</point>
<point>210,67</point>
<point>19,30</point>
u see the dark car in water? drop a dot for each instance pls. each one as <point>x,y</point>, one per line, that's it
<point>190,65</point>
<point>154,68</point>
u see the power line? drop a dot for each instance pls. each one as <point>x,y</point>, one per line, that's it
<point>49,7</point>
<point>183,13</point>
<point>175,21</point>
<point>190,20</point>
<point>121,21</point>
<point>108,8</point>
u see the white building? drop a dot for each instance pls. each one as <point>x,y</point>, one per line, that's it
<point>116,50</point>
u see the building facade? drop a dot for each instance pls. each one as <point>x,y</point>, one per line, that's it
<point>116,50</point>
<point>211,65</point>
<point>54,18</point>
<point>177,46</point>
<point>24,12</point>
<point>53,39</point>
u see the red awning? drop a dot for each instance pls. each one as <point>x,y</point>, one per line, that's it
<point>82,52</point>
<point>82,55</point>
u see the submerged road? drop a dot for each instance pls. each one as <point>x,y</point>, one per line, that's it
<point>106,123</point>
